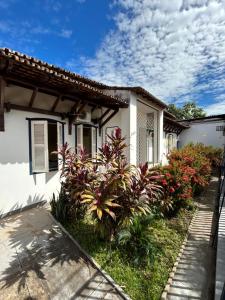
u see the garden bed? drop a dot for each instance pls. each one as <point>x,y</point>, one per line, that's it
<point>139,282</point>
<point>131,219</point>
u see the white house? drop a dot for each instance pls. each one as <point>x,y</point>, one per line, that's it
<point>43,106</point>
<point>207,130</point>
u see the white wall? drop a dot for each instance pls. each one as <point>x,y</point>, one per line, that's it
<point>204,132</point>
<point>18,187</point>
<point>121,120</point>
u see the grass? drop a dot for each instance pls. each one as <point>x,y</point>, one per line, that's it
<point>139,282</point>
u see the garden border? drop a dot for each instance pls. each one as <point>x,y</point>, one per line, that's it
<point>92,260</point>
<point>172,273</point>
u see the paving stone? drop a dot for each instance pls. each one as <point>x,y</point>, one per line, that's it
<point>193,277</point>
<point>14,289</point>
<point>39,261</point>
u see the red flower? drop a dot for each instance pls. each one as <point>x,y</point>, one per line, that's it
<point>172,190</point>
<point>185,178</point>
<point>164,182</point>
<point>168,175</point>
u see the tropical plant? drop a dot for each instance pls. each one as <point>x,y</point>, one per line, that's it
<point>60,205</point>
<point>121,191</point>
<point>137,240</point>
<point>77,172</point>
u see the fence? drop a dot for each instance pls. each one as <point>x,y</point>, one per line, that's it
<point>219,235</point>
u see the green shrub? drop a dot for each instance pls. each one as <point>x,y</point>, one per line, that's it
<point>137,239</point>
<point>59,205</point>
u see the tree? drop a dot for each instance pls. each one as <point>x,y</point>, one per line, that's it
<point>189,110</point>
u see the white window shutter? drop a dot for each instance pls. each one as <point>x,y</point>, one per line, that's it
<point>59,134</point>
<point>93,141</point>
<point>79,137</point>
<point>39,144</point>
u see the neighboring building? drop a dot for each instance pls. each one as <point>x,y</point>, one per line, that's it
<point>43,106</point>
<point>207,130</point>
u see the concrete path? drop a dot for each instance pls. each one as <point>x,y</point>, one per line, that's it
<point>194,276</point>
<point>38,261</point>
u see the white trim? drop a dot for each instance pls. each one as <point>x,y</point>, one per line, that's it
<point>79,137</point>
<point>43,146</point>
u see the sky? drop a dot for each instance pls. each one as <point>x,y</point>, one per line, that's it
<point>173,48</point>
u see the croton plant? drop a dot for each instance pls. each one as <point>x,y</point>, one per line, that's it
<point>113,192</point>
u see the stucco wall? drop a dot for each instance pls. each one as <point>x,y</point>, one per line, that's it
<point>18,187</point>
<point>205,133</point>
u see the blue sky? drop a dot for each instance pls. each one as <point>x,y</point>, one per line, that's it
<point>173,48</point>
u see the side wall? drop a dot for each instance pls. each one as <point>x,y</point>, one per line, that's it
<point>205,133</point>
<point>18,187</point>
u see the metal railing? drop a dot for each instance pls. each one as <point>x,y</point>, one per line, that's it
<point>219,206</point>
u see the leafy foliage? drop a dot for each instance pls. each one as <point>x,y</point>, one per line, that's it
<point>77,172</point>
<point>59,205</point>
<point>187,173</point>
<point>107,187</point>
<point>137,239</point>
<point>190,110</point>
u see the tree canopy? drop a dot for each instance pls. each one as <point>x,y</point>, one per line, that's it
<point>189,110</point>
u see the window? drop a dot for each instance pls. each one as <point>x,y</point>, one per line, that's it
<point>86,138</point>
<point>46,136</point>
<point>171,142</point>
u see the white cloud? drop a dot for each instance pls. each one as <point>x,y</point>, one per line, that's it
<point>216,108</point>
<point>164,46</point>
<point>66,33</point>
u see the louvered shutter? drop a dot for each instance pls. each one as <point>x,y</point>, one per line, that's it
<point>93,141</point>
<point>79,137</point>
<point>39,144</point>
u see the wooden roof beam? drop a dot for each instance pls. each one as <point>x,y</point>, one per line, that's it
<point>53,92</point>
<point>103,115</point>
<point>33,96</point>
<point>31,109</point>
<point>108,119</point>
<point>81,108</point>
<point>57,100</point>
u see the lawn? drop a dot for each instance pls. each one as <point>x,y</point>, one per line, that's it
<point>140,282</point>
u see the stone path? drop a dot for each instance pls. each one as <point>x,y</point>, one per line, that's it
<point>39,261</point>
<point>194,276</point>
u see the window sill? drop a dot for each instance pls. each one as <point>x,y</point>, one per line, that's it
<point>51,170</point>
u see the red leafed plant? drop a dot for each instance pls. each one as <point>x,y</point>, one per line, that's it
<point>121,191</point>
<point>108,188</point>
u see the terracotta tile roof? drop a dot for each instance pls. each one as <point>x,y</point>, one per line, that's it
<point>60,74</point>
<point>78,80</point>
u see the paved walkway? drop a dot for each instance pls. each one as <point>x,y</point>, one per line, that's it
<point>38,261</point>
<point>194,276</point>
